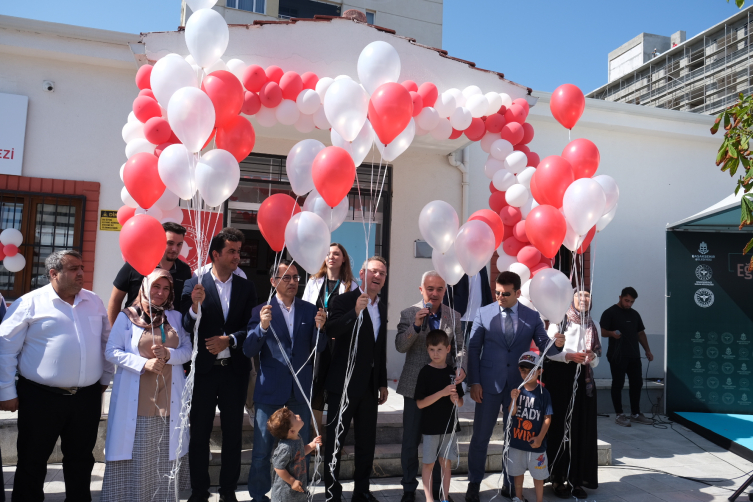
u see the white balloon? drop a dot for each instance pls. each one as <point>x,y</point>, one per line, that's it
<point>458,95</point>
<point>503,180</point>
<point>427,119</point>
<point>236,67</point>
<point>138,145</point>
<point>174,215</point>
<point>167,201</point>
<point>11,236</point>
<point>307,237</point>
<point>500,149</point>
<point>320,119</point>
<point>217,176</point>
<point>191,116</point>
<point>122,168</point>
<point>461,118</point>
<point>169,74</point>
<point>528,207</point>
<point>523,271</point>
<point>346,105</point>
<point>606,219</point>
<point>266,116</point>
<point>378,64</point>
<point>572,239</point>
<point>200,4</point>
<point>474,246</point>
<point>132,131</point>
<point>516,162</point>
<point>477,105</point>
<point>420,131</point>
<point>343,77</point>
<point>305,123</point>
<point>127,199</point>
<point>15,263</point>
<point>287,112</point>
<point>322,85</point>
<point>216,66</point>
<point>398,145</point>
<point>155,213</point>
<point>308,101</point>
<point>176,171</point>
<point>504,260</point>
<point>332,217</point>
<point>438,224</point>
<point>525,290</point>
<point>524,177</point>
<point>445,104</point>
<point>506,99</point>
<point>360,147</point>
<point>583,204</point>
<point>442,131</point>
<point>471,90</point>
<point>525,301</point>
<point>447,266</point>
<point>492,167</point>
<point>611,191</point>
<point>552,294</point>
<point>298,165</point>
<point>495,102</point>
<point>132,116</point>
<point>517,195</point>
<point>206,36</point>
<point>487,141</point>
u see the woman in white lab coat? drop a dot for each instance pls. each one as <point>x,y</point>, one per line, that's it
<point>149,346</point>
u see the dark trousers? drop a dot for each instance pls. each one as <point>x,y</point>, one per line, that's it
<point>484,419</point>
<point>409,453</point>
<point>363,412</point>
<point>219,387</point>
<point>631,367</point>
<point>45,416</point>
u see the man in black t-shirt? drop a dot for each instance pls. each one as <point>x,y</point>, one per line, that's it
<point>128,281</point>
<point>624,328</point>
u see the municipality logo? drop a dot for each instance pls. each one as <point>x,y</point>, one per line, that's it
<point>703,253</point>
<point>703,248</point>
<point>704,298</point>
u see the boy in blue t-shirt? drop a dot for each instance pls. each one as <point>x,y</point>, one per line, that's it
<point>531,409</point>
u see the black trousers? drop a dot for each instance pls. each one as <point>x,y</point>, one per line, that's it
<point>633,368</point>
<point>43,417</point>
<point>409,453</point>
<point>363,412</point>
<point>219,387</point>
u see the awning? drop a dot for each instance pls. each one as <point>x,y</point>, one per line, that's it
<point>722,216</point>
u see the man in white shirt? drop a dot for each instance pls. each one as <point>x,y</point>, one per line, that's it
<point>55,337</point>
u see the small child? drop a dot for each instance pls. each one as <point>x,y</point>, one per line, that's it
<point>531,415</point>
<point>436,394</point>
<point>289,459</point>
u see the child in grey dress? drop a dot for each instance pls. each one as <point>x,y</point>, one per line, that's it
<point>289,459</point>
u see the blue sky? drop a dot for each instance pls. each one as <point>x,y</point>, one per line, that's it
<point>540,44</point>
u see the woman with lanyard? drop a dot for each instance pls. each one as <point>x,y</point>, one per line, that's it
<point>334,278</point>
<point>143,426</point>
<point>575,464</point>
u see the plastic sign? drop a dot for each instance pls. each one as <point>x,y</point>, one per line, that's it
<point>108,220</point>
<point>12,132</point>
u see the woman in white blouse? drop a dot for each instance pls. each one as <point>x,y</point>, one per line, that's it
<point>574,465</point>
<point>143,426</point>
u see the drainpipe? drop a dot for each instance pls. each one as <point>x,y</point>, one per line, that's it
<point>463,168</point>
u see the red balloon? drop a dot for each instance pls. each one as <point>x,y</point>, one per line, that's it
<point>273,216</point>
<point>535,191</point>
<point>529,256</point>
<point>148,93</point>
<point>251,103</point>
<point>583,156</point>
<point>254,77</point>
<point>333,172</point>
<point>390,111</point>
<point>270,95</point>
<point>309,80</point>
<point>2,255</point>
<point>226,93</point>
<point>516,114</point>
<point>237,137</point>
<point>125,213</point>
<point>157,130</point>
<point>494,123</point>
<point>522,148</point>
<point>291,85</point>
<point>142,242</point>
<point>497,201</point>
<point>587,241</point>
<point>143,77</point>
<point>513,132</point>
<point>546,229</point>
<point>508,233</point>
<point>418,102</point>
<point>141,178</point>
<point>502,110</point>
<point>429,93</point>
<point>274,73</point>
<point>492,188</point>
<point>533,159</point>
<point>10,250</point>
<point>553,175</point>
<point>145,108</point>
<point>567,105</point>
<point>512,246</point>
<point>476,130</point>
<point>527,133</point>
<point>455,134</point>
<point>519,231</point>
<point>410,86</point>
<point>494,221</point>
<point>510,215</point>
<point>522,103</point>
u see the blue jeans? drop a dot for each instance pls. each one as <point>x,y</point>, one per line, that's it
<point>259,476</point>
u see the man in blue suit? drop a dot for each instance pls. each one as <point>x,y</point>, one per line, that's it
<point>500,334</point>
<point>297,325</point>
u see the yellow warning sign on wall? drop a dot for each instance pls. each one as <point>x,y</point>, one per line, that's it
<point>108,220</point>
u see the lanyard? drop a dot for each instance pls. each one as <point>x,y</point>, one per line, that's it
<point>327,294</point>
<point>162,329</point>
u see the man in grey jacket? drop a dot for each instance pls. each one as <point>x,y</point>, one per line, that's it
<point>415,323</point>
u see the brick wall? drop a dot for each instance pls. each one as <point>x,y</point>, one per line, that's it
<point>586,263</point>
<point>89,189</point>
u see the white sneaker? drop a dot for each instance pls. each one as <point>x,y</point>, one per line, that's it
<point>516,499</point>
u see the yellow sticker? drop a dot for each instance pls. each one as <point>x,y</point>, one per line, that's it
<point>108,220</point>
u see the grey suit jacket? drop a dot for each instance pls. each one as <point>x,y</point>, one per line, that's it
<point>413,345</point>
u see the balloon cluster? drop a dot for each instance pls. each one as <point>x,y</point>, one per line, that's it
<point>10,240</point>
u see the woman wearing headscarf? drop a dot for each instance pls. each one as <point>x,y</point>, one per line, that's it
<point>573,465</point>
<point>143,426</point>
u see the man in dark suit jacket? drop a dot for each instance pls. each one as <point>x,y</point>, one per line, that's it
<point>367,388</point>
<point>459,296</point>
<point>294,323</point>
<point>222,370</point>
<point>500,334</point>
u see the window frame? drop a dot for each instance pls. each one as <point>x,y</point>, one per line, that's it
<point>236,7</point>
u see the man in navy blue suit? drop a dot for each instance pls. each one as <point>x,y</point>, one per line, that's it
<point>500,334</point>
<point>297,325</point>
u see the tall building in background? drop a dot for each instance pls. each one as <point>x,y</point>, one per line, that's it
<point>703,74</point>
<point>419,19</point>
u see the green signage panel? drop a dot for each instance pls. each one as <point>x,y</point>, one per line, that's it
<point>709,323</point>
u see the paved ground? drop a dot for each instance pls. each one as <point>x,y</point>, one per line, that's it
<point>638,452</point>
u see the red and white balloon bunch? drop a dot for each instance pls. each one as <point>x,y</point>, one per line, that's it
<point>10,240</point>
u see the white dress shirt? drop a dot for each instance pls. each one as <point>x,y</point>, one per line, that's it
<point>514,316</point>
<point>376,320</point>
<point>54,343</point>
<point>474,298</point>
<point>289,315</point>
<point>223,291</point>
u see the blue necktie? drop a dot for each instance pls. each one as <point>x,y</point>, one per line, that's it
<point>509,328</point>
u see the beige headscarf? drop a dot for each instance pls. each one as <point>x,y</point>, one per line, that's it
<point>143,312</point>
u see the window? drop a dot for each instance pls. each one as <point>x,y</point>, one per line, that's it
<point>48,223</point>
<point>370,17</point>
<point>258,6</point>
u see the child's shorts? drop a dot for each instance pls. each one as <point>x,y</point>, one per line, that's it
<point>432,448</point>
<point>519,461</point>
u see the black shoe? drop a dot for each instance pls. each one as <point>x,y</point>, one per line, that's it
<point>408,497</point>
<point>471,495</point>
<point>198,497</point>
<point>228,497</point>
<point>580,493</point>
<point>364,497</point>
<point>507,491</point>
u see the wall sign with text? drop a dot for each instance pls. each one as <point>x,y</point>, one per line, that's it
<point>12,132</point>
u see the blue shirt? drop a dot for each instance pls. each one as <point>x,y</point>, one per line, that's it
<point>532,407</point>
<point>514,309</point>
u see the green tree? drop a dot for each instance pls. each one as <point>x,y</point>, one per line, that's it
<point>739,3</point>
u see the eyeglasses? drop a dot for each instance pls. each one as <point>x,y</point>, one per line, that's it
<point>287,278</point>
<point>501,293</point>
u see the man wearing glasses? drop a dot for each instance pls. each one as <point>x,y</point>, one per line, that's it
<point>501,333</point>
<point>296,326</point>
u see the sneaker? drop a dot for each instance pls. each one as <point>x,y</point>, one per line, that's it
<point>622,420</point>
<point>640,418</point>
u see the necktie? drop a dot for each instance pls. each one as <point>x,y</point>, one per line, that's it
<point>509,329</point>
